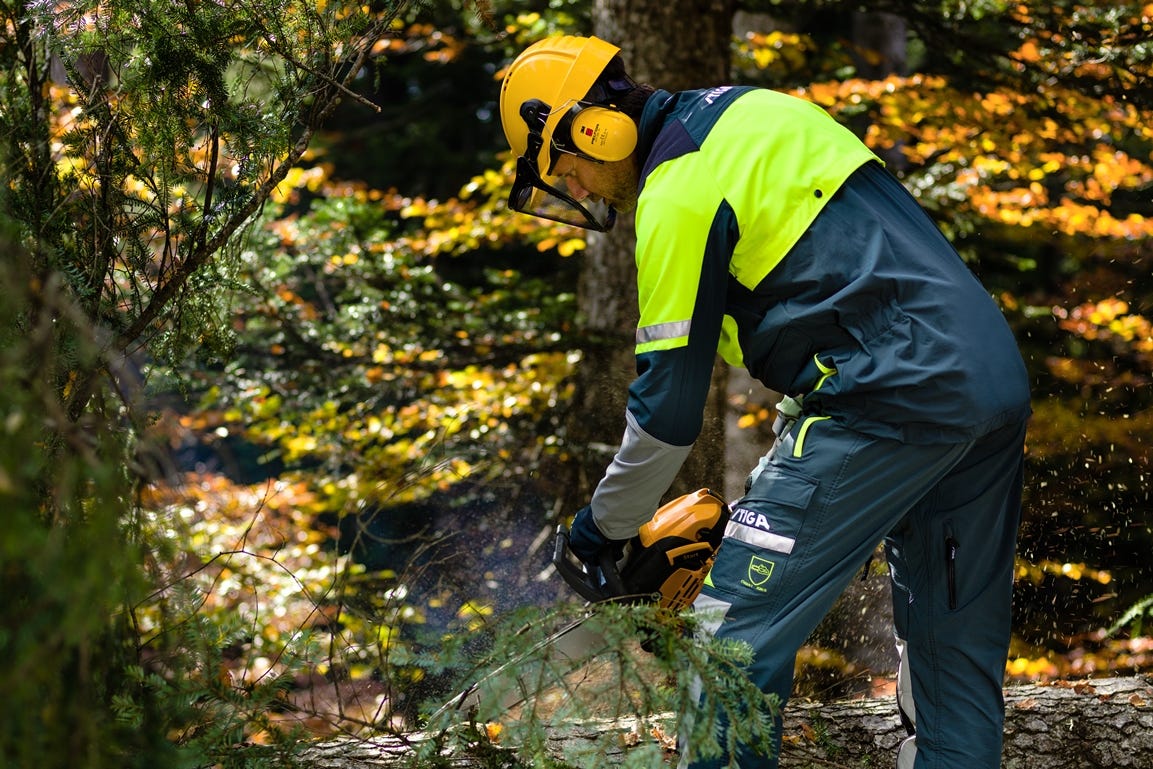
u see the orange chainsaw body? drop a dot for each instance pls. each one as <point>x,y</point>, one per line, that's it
<point>672,553</point>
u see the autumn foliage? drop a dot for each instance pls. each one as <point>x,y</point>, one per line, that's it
<point>336,395</point>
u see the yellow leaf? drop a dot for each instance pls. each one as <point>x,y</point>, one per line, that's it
<point>300,444</point>
<point>473,609</point>
<point>571,246</point>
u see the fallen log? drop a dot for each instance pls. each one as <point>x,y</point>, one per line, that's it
<point>1105,723</point>
<point>1094,724</point>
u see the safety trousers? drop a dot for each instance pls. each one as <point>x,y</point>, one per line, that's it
<point>948,516</point>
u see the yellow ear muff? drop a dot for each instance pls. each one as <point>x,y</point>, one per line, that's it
<point>603,133</point>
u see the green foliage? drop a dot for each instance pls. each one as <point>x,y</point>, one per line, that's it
<point>1097,47</point>
<point>65,565</point>
<point>183,686</point>
<point>138,140</point>
<point>100,669</point>
<point>288,636</point>
<point>142,138</point>
<point>1133,620</point>
<point>652,693</point>
<point>436,84</point>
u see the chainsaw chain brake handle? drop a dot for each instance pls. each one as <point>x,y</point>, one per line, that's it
<point>597,583</point>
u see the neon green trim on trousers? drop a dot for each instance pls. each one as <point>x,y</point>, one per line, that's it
<point>799,446</point>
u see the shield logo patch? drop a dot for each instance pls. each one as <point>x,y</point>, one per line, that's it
<point>760,569</point>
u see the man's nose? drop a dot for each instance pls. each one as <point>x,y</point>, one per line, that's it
<point>575,190</point>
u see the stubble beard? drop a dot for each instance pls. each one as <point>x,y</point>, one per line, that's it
<point>621,192</point>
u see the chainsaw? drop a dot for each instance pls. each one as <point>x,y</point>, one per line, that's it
<point>665,564</point>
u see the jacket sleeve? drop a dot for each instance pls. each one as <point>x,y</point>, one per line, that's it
<point>682,283</point>
<point>642,470</point>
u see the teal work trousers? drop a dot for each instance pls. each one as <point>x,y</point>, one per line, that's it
<point>948,516</point>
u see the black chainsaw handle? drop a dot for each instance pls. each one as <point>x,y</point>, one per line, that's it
<point>593,583</point>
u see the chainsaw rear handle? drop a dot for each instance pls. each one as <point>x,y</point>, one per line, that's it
<point>600,583</point>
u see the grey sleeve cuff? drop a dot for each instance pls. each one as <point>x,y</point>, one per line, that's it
<point>640,474</point>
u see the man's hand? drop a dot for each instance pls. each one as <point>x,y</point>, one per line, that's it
<point>586,540</point>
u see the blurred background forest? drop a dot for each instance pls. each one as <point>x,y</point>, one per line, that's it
<point>290,400</point>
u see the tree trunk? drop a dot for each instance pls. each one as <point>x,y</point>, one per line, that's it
<point>880,50</point>
<point>1098,724</point>
<point>673,45</point>
<point>879,44</point>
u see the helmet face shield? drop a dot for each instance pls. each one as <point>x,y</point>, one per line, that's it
<point>531,194</point>
<point>535,194</point>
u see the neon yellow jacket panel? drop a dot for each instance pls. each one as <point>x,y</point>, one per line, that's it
<point>792,158</point>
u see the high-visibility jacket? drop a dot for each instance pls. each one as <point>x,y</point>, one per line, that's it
<point>769,233</point>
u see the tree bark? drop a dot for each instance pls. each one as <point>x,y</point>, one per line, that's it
<point>1066,725</point>
<point>880,50</point>
<point>673,45</point>
<point>1098,724</point>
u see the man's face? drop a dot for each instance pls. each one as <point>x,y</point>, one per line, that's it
<point>615,183</point>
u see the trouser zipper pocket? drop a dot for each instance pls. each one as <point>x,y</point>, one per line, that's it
<point>951,566</point>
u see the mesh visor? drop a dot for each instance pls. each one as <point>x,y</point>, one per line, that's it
<point>532,194</point>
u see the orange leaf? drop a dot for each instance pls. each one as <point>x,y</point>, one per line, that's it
<point>1028,52</point>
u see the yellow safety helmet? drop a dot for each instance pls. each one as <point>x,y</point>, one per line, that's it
<point>557,70</point>
<point>542,111</point>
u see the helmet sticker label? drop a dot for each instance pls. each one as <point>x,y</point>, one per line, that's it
<point>590,133</point>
